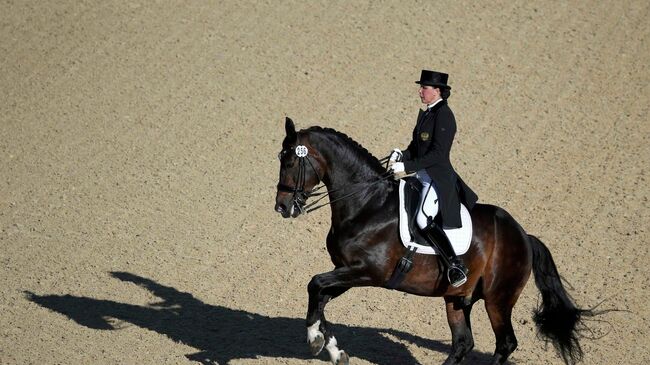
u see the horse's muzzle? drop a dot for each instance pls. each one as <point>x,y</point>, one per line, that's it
<point>287,212</point>
<point>283,210</point>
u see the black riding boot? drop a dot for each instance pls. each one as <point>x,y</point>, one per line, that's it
<point>456,271</point>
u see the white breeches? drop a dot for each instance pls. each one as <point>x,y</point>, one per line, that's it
<point>428,200</point>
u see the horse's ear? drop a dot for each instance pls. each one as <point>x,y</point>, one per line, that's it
<point>290,128</point>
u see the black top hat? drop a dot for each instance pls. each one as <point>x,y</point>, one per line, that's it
<point>434,78</point>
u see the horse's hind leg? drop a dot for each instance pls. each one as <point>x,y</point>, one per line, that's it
<point>500,317</point>
<point>462,341</point>
<point>505,278</point>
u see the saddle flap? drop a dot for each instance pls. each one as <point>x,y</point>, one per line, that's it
<point>411,202</point>
<point>409,199</point>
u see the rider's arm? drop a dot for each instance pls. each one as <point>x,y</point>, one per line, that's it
<point>408,152</point>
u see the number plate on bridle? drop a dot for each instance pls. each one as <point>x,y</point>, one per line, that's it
<point>301,151</point>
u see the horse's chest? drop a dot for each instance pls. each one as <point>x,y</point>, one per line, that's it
<point>342,249</point>
<point>335,247</point>
<point>349,249</point>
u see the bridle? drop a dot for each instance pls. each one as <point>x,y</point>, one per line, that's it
<point>300,195</point>
<point>299,198</point>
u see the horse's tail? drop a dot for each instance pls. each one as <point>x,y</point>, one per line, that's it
<point>557,317</point>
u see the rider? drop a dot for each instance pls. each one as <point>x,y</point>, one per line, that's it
<point>428,156</point>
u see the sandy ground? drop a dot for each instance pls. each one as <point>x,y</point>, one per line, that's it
<point>138,148</point>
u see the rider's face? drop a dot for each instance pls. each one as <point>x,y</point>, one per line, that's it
<point>429,94</point>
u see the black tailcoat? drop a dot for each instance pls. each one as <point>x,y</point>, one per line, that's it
<point>429,150</point>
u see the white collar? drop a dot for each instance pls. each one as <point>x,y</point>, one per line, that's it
<point>434,103</point>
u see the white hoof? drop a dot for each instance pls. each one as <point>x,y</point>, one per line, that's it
<point>315,338</point>
<point>344,359</point>
<point>338,357</point>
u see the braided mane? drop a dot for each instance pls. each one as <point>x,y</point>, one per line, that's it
<point>357,149</point>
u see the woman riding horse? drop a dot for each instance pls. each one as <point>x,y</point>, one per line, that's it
<point>365,247</point>
<point>428,156</point>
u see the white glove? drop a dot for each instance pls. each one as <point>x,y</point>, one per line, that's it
<point>398,170</point>
<point>397,167</point>
<point>396,155</point>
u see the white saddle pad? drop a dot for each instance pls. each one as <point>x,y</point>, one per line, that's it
<point>460,238</point>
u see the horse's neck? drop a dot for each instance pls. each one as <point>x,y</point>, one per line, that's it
<point>343,176</point>
<point>350,188</point>
<point>360,203</point>
<point>347,171</point>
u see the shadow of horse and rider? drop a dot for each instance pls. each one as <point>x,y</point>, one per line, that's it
<point>222,334</point>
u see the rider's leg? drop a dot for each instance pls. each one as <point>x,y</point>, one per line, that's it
<point>456,271</point>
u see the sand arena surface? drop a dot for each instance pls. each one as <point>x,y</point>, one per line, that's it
<point>138,148</point>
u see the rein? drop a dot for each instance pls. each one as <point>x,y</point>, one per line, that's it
<point>300,195</point>
<point>310,207</point>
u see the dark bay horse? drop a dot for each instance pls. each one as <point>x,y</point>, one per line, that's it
<point>364,245</point>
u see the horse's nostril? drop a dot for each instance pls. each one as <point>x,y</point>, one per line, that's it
<point>280,208</point>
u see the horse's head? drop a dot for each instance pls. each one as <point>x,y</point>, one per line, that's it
<point>300,171</point>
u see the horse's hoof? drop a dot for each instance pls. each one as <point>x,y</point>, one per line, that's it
<point>316,346</point>
<point>344,359</point>
<point>453,360</point>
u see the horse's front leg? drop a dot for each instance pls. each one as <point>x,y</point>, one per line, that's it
<point>322,288</point>
<point>317,332</point>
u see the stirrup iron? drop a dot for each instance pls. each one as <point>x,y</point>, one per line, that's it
<point>462,280</point>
